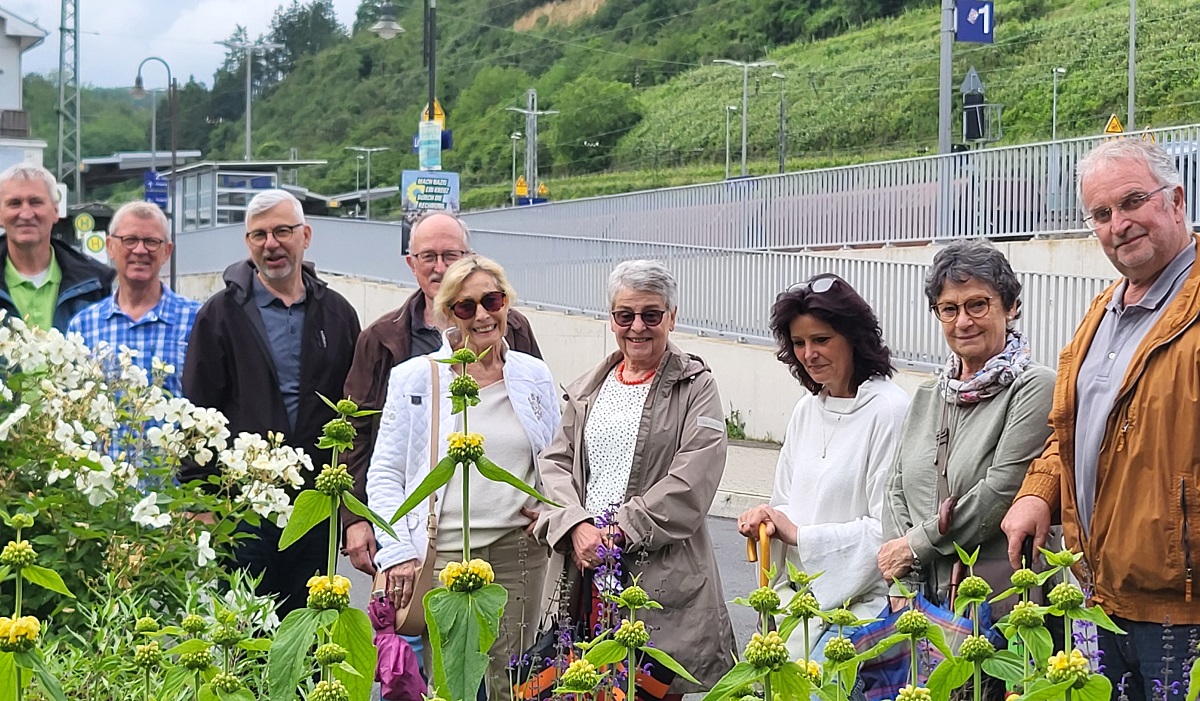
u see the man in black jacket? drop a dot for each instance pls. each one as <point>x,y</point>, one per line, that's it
<point>43,280</point>
<point>438,239</point>
<point>261,350</point>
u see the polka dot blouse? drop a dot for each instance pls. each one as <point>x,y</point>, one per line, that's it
<point>610,437</point>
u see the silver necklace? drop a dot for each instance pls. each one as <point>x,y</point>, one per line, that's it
<point>824,423</point>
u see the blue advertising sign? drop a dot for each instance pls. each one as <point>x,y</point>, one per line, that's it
<point>155,185</point>
<point>975,21</point>
<point>429,190</point>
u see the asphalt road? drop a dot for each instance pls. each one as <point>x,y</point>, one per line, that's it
<point>738,577</point>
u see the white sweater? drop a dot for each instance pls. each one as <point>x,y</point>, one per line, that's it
<point>401,456</point>
<point>836,501</point>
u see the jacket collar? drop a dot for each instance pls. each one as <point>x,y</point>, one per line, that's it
<point>76,267</point>
<point>239,279</point>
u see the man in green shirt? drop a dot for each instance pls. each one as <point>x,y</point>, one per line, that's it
<point>45,281</point>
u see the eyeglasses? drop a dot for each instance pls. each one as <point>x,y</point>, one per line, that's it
<point>431,257</point>
<point>281,233</point>
<point>1103,215</point>
<point>650,317</point>
<point>976,308</point>
<point>818,284</point>
<point>131,242</point>
<point>466,308</point>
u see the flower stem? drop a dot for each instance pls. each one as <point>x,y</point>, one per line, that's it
<point>17,605</point>
<point>913,660</point>
<point>335,453</point>
<point>977,679</point>
<point>466,491</point>
<point>146,685</point>
<point>807,654</point>
<point>196,687</point>
<point>977,665</point>
<point>1067,643</point>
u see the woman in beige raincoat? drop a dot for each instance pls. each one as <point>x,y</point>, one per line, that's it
<point>643,440</point>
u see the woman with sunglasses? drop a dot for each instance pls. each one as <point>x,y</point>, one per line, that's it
<point>517,414</point>
<point>829,484</point>
<point>971,433</point>
<point>642,447</point>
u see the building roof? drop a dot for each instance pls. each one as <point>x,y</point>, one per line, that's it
<point>248,166</point>
<point>128,165</point>
<point>27,33</point>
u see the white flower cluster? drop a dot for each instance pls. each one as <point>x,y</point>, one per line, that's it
<point>261,466</point>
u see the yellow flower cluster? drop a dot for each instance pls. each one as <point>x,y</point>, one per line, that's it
<point>1062,667</point>
<point>326,592</point>
<point>467,576</point>
<point>18,634</point>
<point>465,447</point>
<point>914,693</point>
<point>812,671</point>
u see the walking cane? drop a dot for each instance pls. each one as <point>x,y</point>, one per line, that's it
<point>760,552</point>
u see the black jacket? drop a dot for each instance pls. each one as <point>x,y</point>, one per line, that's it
<point>84,282</point>
<point>229,364</point>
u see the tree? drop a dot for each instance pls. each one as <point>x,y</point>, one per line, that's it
<point>593,115</point>
<point>367,14</point>
<point>302,30</point>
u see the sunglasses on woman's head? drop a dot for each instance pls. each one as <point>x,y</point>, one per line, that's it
<point>650,317</point>
<point>817,285</point>
<point>492,301</point>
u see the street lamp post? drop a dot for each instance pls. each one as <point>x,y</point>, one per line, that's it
<point>782,121</point>
<point>249,48</point>
<point>172,105</point>
<point>514,137</point>
<point>367,150</point>
<point>728,110</point>
<point>1060,71</point>
<point>745,94</point>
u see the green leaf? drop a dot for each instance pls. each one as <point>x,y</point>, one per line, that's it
<point>8,670</point>
<point>1005,665</point>
<point>328,403</point>
<point>878,648</point>
<point>1004,595</point>
<point>255,644</point>
<point>495,473</point>
<point>1043,690</point>
<point>174,680</point>
<point>968,560</point>
<point>1044,577</point>
<point>454,634</point>
<point>33,660</point>
<point>287,663</point>
<point>661,657</point>
<point>193,645</point>
<point>904,591</point>
<point>1096,615</point>
<point>242,694</point>
<point>1038,642</point>
<point>311,508</point>
<point>438,476</point>
<point>206,693</point>
<point>353,631</point>
<point>950,674</point>
<point>790,682</point>
<point>606,653</point>
<point>358,508</point>
<point>788,625</point>
<point>1097,688</point>
<point>46,578</point>
<point>962,602</point>
<point>347,668</point>
<point>1193,683</point>
<point>937,637</point>
<point>743,673</point>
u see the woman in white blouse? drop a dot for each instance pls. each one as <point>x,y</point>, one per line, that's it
<point>517,415</point>
<point>831,477</point>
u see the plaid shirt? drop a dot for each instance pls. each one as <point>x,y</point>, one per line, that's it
<point>162,333</point>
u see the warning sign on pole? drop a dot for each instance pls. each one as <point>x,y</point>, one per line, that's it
<point>522,188</point>
<point>1114,126</point>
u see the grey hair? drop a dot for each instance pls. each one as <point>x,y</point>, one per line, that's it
<point>428,214</point>
<point>140,210</point>
<point>23,172</point>
<point>267,200</point>
<point>643,276</point>
<point>963,261</point>
<point>1160,163</point>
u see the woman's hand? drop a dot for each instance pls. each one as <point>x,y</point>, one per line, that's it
<point>532,515</point>
<point>586,540</point>
<point>895,558</point>
<point>401,580</point>
<point>898,603</point>
<point>779,526</point>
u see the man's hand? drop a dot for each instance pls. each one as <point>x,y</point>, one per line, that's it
<point>779,526</point>
<point>207,517</point>
<point>1028,516</point>
<point>532,515</point>
<point>897,603</point>
<point>400,582</point>
<point>586,540</point>
<point>360,546</point>
<point>895,558</point>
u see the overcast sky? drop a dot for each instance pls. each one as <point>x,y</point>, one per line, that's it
<point>115,35</point>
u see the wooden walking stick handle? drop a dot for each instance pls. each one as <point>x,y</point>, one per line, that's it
<point>764,554</point>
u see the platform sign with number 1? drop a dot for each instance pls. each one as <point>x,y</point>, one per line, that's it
<point>975,21</point>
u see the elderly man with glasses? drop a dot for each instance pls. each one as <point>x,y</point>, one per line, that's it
<point>142,313</point>
<point>438,239</point>
<point>262,351</point>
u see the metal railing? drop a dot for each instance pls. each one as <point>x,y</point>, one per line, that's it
<point>998,193</point>
<point>722,292</point>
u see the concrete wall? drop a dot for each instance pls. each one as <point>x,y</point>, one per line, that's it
<point>751,380</point>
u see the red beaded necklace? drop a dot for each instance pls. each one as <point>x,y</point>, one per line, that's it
<point>622,380</point>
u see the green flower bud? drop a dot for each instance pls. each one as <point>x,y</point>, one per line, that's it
<point>227,636</point>
<point>580,677</point>
<point>193,624</point>
<point>842,617</point>
<point>22,521</point>
<point>1066,596</point>
<point>632,635</point>
<point>331,690</point>
<point>339,430</point>
<point>1026,615</point>
<point>839,649</point>
<point>464,355</point>
<point>976,648</point>
<point>345,406</point>
<point>1024,579</point>
<point>974,588</point>
<point>226,683</point>
<point>764,600</point>
<point>912,622</point>
<point>804,606</point>
<point>146,624</point>
<point>330,653</point>
<point>334,480</point>
<point>147,656</point>
<point>198,660</point>
<point>634,597</point>
<point>768,651</point>
<point>464,386</point>
<point>18,554</point>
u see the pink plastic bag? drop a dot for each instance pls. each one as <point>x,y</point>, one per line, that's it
<point>397,669</point>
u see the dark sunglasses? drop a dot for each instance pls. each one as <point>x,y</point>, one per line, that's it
<point>650,317</point>
<point>492,301</point>
<point>817,285</point>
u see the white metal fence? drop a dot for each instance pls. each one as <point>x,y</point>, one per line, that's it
<point>999,193</point>
<point>722,292</point>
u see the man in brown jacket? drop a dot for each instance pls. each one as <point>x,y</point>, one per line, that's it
<point>1121,468</point>
<point>438,239</point>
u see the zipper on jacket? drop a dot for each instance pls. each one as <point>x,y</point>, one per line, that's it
<point>1187,547</point>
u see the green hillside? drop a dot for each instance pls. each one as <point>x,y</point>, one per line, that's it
<point>641,104</point>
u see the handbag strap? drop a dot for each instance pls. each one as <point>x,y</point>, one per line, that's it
<point>943,454</point>
<point>435,409</point>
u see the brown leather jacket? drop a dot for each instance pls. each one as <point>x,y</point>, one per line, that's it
<point>382,346</point>
<point>1145,538</point>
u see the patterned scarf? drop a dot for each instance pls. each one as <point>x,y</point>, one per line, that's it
<point>999,372</point>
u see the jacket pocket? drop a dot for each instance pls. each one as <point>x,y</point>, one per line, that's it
<point>1189,526</point>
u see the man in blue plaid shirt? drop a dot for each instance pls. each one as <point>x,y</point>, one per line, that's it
<point>142,313</point>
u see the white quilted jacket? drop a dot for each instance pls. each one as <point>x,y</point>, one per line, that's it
<point>401,456</point>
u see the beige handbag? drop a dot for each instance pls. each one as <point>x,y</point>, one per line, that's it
<point>410,620</point>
